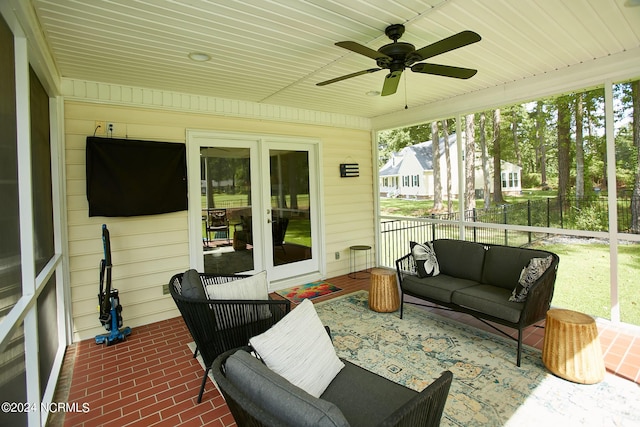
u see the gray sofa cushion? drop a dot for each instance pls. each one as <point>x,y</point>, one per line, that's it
<point>461,259</point>
<point>490,300</point>
<point>503,265</point>
<point>289,403</point>
<point>365,408</point>
<point>439,287</point>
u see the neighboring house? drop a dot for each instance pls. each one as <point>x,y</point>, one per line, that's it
<point>409,173</point>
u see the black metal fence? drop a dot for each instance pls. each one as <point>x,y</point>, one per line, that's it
<point>569,213</point>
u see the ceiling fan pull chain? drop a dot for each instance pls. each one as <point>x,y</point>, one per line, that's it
<point>406,107</point>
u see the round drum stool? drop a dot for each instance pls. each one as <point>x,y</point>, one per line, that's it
<point>571,347</point>
<point>383,296</point>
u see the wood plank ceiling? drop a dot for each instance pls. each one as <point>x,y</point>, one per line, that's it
<point>274,52</point>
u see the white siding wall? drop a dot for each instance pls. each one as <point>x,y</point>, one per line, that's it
<point>148,250</point>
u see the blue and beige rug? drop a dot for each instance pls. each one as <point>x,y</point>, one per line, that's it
<point>488,389</point>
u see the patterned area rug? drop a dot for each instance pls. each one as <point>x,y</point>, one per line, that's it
<point>308,291</point>
<point>488,389</point>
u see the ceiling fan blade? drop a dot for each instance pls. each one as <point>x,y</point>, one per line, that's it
<point>456,41</point>
<point>391,83</point>
<point>348,76</point>
<point>362,50</point>
<point>444,70</point>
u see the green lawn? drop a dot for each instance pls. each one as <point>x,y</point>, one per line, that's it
<point>583,279</point>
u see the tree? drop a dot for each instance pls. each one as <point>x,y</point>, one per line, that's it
<point>564,145</point>
<point>485,161</point>
<point>437,186</point>
<point>497,168</point>
<point>579,148</point>
<point>635,197</point>
<point>447,156</point>
<point>542,152</point>
<point>391,141</point>
<point>469,162</point>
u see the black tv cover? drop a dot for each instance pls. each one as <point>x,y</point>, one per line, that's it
<point>128,177</point>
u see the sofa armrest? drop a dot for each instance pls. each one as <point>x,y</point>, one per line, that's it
<point>540,295</point>
<point>404,266</point>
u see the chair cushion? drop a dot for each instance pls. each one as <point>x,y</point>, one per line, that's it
<point>299,349</point>
<point>461,259</point>
<point>191,285</point>
<point>365,398</point>
<point>278,396</point>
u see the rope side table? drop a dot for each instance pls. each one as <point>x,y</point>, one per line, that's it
<point>383,296</point>
<point>571,347</point>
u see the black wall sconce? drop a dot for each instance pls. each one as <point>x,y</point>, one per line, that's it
<point>349,170</point>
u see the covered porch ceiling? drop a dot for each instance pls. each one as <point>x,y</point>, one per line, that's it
<point>274,52</point>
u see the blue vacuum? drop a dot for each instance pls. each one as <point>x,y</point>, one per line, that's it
<point>108,299</point>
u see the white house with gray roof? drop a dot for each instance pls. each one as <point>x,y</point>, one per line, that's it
<point>409,173</point>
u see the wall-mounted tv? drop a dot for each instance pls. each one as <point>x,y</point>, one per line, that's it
<point>127,177</point>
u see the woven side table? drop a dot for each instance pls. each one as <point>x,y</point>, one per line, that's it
<point>571,347</point>
<point>383,295</point>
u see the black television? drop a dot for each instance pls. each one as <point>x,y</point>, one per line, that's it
<point>127,177</point>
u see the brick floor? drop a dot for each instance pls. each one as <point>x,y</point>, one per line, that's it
<point>153,380</point>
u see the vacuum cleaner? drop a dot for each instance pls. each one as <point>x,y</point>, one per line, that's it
<point>108,299</point>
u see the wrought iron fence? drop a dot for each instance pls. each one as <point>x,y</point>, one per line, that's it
<point>568,213</point>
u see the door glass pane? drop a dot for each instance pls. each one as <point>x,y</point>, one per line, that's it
<point>227,235</point>
<point>290,207</point>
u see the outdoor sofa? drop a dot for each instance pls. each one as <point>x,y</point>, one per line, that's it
<point>481,280</point>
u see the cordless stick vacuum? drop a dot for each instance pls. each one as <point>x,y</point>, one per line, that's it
<point>108,300</point>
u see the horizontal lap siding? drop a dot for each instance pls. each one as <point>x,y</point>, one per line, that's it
<point>148,250</point>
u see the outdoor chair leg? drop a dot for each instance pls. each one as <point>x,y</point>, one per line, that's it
<point>204,382</point>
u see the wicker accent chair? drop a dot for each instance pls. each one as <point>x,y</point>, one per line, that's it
<point>360,395</point>
<point>219,325</point>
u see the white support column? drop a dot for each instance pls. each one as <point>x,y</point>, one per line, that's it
<point>461,172</point>
<point>612,200</point>
<point>27,239</point>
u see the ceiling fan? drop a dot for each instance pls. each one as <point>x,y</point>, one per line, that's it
<point>397,56</point>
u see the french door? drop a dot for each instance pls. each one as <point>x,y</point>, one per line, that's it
<point>256,206</point>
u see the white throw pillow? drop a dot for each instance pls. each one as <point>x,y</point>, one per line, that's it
<point>250,288</point>
<point>425,258</point>
<point>299,349</point>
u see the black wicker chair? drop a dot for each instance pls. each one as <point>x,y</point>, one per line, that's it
<point>219,325</point>
<point>353,388</point>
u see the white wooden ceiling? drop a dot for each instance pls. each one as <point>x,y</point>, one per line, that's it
<point>275,51</point>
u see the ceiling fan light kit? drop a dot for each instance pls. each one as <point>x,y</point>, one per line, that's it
<point>397,56</point>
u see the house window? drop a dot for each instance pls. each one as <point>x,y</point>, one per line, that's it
<point>415,181</point>
<point>504,179</point>
<point>405,181</point>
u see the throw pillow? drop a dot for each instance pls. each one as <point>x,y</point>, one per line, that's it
<point>191,285</point>
<point>279,397</point>
<point>299,349</point>
<point>249,288</point>
<point>425,258</point>
<point>529,275</point>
